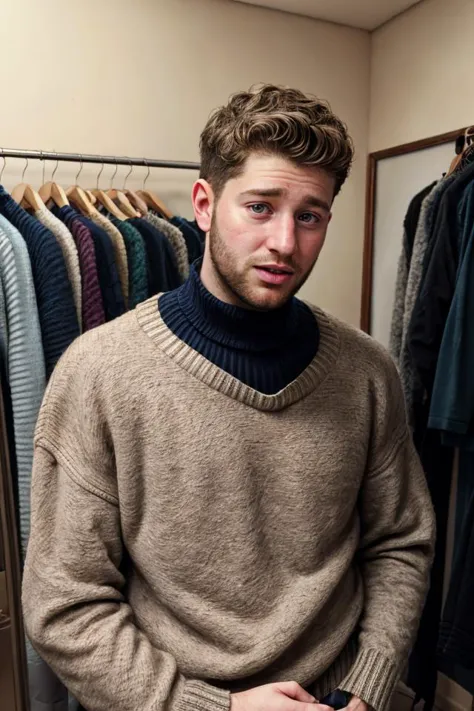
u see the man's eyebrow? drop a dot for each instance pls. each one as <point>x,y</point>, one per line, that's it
<point>310,200</point>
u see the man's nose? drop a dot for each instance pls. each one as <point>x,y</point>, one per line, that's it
<point>282,238</point>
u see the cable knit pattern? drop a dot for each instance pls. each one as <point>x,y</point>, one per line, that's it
<point>268,537</point>
<point>120,251</point>
<point>93,313</point>
<point>56,308</point>
<point>137,261</point>
<point>175,238</point>
<point>69,249</point>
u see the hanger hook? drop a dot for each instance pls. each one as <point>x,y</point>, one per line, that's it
<point>55,168</point>
<point>80,171</point>
<point>114,174</point>
<point>3,166</point>
<point>127,176</point>
<point>99,174</point>
<point>147,175</point>
<point>24,170</point>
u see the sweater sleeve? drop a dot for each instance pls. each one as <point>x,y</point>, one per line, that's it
<point>395,552</point>
<point>75,607</point>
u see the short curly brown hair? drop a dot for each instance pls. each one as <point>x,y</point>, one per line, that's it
<point>274,119</point>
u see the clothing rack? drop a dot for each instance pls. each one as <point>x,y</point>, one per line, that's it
<point>101,160</point>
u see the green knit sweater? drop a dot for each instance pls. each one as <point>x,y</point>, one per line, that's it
<point>192,537</point>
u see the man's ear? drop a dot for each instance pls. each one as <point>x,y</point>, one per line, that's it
<point>203,204</point>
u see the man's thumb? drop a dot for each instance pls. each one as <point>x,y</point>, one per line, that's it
<point>294,691</point>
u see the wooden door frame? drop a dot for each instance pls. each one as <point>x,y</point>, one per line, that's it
<point>371,187</point>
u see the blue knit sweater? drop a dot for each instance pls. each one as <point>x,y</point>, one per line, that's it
<point>265,350</point>
<point>56,309</point>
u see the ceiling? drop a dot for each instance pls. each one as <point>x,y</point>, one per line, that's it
<point>365,14</point>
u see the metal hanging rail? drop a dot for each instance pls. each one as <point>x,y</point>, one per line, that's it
<point>100,160</point>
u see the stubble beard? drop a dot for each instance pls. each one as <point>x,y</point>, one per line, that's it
<point>234,282</point>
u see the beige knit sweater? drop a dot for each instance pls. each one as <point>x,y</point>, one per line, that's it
<point>192,537</point>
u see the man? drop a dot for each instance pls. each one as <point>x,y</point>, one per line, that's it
<point>228,512</point>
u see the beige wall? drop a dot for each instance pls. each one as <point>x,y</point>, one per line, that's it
<point>422,64</point>
<point>140,78</point>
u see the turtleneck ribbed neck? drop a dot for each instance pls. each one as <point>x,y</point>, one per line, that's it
<point>265,350</point>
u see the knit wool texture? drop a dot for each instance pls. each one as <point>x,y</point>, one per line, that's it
<point>54,297</point>
<point>24,362</point>
<point>176,240</point>
<point>93,313</point>
<point>69,250</point>
<point>119,250</point>
<point>137,261</point>
<point>192,537</point>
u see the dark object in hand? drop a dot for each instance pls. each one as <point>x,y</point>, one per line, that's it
<point>336,699</point>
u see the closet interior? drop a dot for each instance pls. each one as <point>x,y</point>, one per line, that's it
<point>72,257</point>
<point>417,300</point>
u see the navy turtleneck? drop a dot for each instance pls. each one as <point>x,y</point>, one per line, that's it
<point>266,350</point>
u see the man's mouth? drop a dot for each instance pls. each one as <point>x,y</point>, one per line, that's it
<point>274,274</point>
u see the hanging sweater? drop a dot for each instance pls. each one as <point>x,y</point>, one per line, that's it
<point>194,244</point>
<point>92,305</point>
<point>120,252</point>
<point>3,327</point>
<point>163,274</point>
<point>56,309</point>
<point>175,238</point>
<point>424,231</point>
<point>25,362</point>
<point>432,306</point>
<point>264,350</point>
<point>69,250</point>
<point>232,538</point>
<point>109,282</point>
<point>410,224</point>
<point>137,261</point>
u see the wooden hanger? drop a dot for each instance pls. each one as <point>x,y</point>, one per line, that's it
<point>91,197</point>
<point>123,203</point>
<point>27,198</point>
<point>136,201</point>
<point>53,191</point>
<point>81,200</point>
<point>121,199</point>
<point>153,201</point>
<point>467,144</point>
<point>104,199</point>
<point>109,204</point>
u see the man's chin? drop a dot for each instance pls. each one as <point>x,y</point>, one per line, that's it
<point>270,301</point>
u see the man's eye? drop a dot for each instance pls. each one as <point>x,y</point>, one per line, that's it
<point>259,208</point>
<point>310,218</point>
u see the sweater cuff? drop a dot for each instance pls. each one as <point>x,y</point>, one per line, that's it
<point>372,679</point>
<point>199,696</point>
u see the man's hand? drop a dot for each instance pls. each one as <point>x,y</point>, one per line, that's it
<point>287,696</point>
<point>356,704</point>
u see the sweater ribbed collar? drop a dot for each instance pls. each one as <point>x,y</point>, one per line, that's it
<point>238,328</point>
<point>152,323</point>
